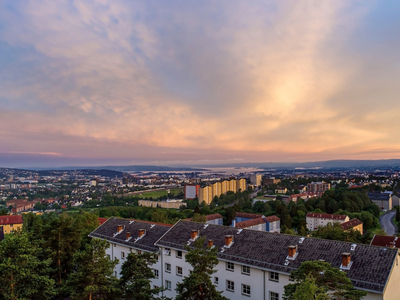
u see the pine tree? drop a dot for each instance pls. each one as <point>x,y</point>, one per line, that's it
<point>325,279</point>
<point>93,278</point>
<point>22,274</point>
<point>198,285</point>
<point>135,277</point>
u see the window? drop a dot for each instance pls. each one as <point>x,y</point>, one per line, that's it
<point>168,285</point>
<point>273,296</point>
<point>155,271</point>
<point>168,268</point>
<point>179,271</point>
<point>230,266</point>
<point>230,286</point>
<point>122,255</point>
<point>139,252</point>
<point>216,280</point>
<point>246,270</point>
<point>273,276</point>
<point>167,251</point>
<point>291,278</point>
<point>179,254</point>
<point>156,256</point>
<point>246,289</point>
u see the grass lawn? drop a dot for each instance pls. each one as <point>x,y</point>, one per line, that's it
<point>157,194</point>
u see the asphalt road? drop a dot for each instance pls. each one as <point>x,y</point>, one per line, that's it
<point>387,224</point>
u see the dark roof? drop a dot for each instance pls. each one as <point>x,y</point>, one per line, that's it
<point>7,220</point>
<point>326,216</point>
<point>248,215</point>
<point>385,241</point>
<point>370,268</point>
<point>379,196</point>
<point>350,224</point>
<point>153,233</point>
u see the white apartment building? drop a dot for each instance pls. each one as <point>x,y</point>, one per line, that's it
<point>254,264</point>
<point>314,220</point>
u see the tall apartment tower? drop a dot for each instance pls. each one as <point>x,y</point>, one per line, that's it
<point>256,179</point>
<point>318,187</point>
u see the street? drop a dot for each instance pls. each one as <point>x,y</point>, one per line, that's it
<point>386,221</point>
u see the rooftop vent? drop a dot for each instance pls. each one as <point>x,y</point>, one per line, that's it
<point>130,222</point>
<point>152,225</point>
<point>353,247</point>
<point>205,226</point>
<point>239,231</point>
<point>120,228</point>
<point>301,240</point>
<point>128,236</point>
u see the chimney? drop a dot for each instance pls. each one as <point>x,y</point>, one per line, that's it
<point>228,240</point>
<point>120,228</point>
<point>141,232</point>
<point>128,235</point>
<point>210,243</point>
<point>346,260</point>
<point>292,251</point>
<point>193,234</point>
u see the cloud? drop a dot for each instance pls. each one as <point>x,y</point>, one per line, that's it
<point>261,80</point>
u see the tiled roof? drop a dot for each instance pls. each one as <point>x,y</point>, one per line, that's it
<point>213,217</point>
<point>248,215</point>
<point>385,241</point>
<point>101,220</point>
<point>272,219</point>
<point>350,224</point>
<point>108,229</point>
<point>7,220</point>
<point>370,268</point>
<point>250,223</point>
<point>326,216</point>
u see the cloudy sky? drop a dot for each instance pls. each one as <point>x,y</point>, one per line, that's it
<point>166,82</point>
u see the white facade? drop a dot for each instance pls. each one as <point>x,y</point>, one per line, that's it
<point>314,222</point>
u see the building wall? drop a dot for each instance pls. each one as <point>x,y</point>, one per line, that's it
<point>384,204</point>
<point>9,228</point>
<point>162,204</point>
<point>392,289</point>
<point>313,223</point>
<point>241,185</point>
<point>273,226</point>
<point>255,179</point>
<point>115,251</point>
<point>219,221</point>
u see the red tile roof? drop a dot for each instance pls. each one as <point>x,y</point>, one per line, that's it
<point>250,223</point>
<point>7,220</point>
<point>213,217</point>
<point>385,241</point>
<point>101,220</point>
<point>350,224</point>
<point>272,218</point>
<point>326,216</point>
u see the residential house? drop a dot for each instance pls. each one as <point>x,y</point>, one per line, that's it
<point>383,200</point>
<point>354,224</point>
<point>11,223</point>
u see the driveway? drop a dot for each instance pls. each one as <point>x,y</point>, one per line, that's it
<point>387,224</point>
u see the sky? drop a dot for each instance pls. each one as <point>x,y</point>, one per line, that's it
<point>198,82</point>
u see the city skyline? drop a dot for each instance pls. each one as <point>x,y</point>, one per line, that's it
<point>101,82</point>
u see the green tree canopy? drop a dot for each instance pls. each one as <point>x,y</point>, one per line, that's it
<point>198,285</point>
<point>93,278</point>
<point>22,275</point>
<point>135,277</point>
<point>323,278</point>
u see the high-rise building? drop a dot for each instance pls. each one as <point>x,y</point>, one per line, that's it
<point>318,187</point>
<point>208,193</point>
<point>192,191</point>
<point>255,179</point>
